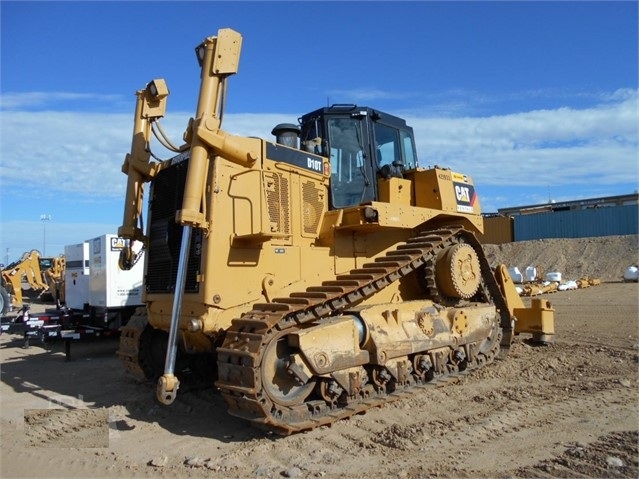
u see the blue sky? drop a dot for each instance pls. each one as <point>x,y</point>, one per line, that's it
<point>534,100</point>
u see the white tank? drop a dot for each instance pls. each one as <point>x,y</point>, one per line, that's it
<point>531,273</point>
<point>555,276</point>
<point>631,274</point>
<point>515,274</point>
<point>567,285</point>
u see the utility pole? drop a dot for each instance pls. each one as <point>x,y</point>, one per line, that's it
<point>44,219</point>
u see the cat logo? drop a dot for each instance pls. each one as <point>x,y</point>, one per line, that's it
<point>462,193</point>
<point>117,244</point>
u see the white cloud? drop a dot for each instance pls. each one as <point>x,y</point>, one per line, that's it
<point>63,160</point>
<point>561,146</point>
<point>365,95</point>
<point>64,151</point>
<point>17,101</point>
<point>83,152</point>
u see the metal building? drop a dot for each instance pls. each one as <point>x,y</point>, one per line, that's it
<point>604,216</point>
<point>601,202</point>
<point>616,220</point>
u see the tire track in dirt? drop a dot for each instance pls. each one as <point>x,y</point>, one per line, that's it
<point>67,427</point>
<point>493,409</point>
<point>568,410</point>
<point>469,438</point>
<point>613,455</point>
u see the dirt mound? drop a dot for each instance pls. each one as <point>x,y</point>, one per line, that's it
<point>604,257</point>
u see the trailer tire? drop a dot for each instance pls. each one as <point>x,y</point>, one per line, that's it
<point>5,302</point>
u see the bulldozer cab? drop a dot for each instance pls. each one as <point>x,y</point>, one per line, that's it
<point>363,145</point>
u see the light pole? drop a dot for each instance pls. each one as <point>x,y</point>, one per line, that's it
<point>44,219</point>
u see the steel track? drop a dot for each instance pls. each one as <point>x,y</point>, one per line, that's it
<point>242,352</point>
<point>129,349</point>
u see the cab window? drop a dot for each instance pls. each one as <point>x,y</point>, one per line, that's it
<point>348,169</point>
<point>394,147</point>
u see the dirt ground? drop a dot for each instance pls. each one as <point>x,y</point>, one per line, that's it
<point>565,410</point>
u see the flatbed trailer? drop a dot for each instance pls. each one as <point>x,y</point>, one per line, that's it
<point>57,325</point>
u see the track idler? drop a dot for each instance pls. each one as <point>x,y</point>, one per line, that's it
<point>458,272</point>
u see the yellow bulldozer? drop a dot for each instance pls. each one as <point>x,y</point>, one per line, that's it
<point>41,275</point>
<point>53,275</point>
<point>312,277</point>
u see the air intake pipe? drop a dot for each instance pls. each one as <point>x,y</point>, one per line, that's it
<point>287,134</point>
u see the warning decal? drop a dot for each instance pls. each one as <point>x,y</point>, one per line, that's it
<point>459,177</point>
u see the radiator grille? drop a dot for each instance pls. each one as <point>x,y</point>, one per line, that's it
<point>312,207</point>
<point>165,236</point>
<point>277,198</point>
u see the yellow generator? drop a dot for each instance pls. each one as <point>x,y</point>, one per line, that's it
<point>308,278</point>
